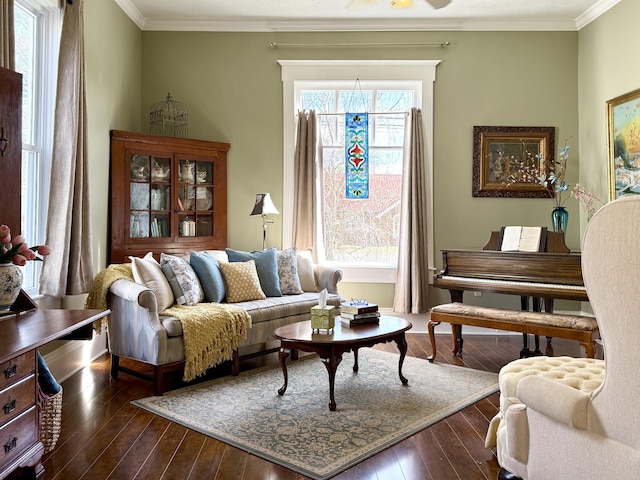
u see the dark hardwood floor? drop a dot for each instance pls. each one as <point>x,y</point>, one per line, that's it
<point>105,437</point>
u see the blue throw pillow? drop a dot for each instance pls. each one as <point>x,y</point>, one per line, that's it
<point>46,380</point>
<point>267,266</point>
<point>208,272</point>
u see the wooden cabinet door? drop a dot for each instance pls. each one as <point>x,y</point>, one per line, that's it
<point>11,147</point>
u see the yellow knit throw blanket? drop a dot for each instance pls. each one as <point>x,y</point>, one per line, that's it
<point>211,331</point>
<point>97,298</point>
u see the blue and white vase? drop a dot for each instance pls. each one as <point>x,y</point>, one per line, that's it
<point>10,284</point>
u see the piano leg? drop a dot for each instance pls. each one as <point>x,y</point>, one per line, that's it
<point>456,333</point>
<point>536,307</point>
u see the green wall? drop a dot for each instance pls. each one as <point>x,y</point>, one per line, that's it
<point>230,83</point>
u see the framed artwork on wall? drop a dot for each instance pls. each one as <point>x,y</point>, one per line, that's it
<point>623,120</point>
<point>507,161</point>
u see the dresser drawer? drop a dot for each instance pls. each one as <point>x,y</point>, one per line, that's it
<point>17,436</point>
<point>17,398</point>
<point>18,367</point>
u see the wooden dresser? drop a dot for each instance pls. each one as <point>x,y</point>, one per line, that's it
<point>20,337</point>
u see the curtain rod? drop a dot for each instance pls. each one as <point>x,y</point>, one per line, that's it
<point>385,44</point>
<point>368,113</point>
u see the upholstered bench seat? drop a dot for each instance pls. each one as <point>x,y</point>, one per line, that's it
<point>575,327</point>
<point>584,374</point>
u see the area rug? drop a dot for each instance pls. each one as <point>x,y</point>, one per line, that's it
<point>297,430</point>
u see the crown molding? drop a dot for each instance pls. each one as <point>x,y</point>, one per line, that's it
<point>377,25</point>
<point>594,12</point>
<point>346,25</point>
<point>132,12</point>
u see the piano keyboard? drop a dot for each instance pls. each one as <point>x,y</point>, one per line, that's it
<point>485,281</point>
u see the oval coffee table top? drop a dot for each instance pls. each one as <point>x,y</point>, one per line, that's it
<point>301,331</point>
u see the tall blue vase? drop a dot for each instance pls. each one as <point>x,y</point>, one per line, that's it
<point>559,219</point>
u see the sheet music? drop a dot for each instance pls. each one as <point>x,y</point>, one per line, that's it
<point>521,239</point>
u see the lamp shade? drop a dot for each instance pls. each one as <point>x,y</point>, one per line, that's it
<point>264,205</point>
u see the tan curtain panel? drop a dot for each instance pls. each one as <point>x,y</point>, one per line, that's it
<point>305,231</point>
<point>412,282</point>
<point>7,35</point>
<point>69,268</point>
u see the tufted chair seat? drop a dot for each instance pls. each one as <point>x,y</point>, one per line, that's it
<point>584,374</point>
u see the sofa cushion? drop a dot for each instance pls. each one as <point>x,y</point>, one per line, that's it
<point>147,271</point>
<point>266,265</point>
<point>305,271</point>
<point>241,281</point>
<point>182,278</point>
<point>210,276</point>
<point>284,307</point>
<point>288,272</point>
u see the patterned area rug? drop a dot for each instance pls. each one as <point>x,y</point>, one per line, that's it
<point>299,432</point>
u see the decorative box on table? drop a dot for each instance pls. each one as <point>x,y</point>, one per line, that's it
<point>323,318</point>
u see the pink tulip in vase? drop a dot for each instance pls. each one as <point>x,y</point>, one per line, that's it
<point>14,253</point>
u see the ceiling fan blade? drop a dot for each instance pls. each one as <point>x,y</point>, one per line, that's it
<point>438,3</point>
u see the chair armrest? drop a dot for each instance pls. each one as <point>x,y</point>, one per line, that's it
<point>134,292</point>
<point>327,277</point>
<point>568,405</point>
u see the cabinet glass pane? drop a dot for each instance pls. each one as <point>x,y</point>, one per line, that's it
<point>204,198</point>
<point>139,199</point>
<point>204,225</point>
<point>140,169</point>
<point>160,225</point>
<point>187,171</point>
<point>160,169</point>
<point>204,172</point>
<point>187,198</point>
<point>160,197</point>
<point>139,224</point>
<point>186,226</point>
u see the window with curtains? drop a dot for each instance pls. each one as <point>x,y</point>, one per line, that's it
<point>36,39</point>
<point>361,231</point>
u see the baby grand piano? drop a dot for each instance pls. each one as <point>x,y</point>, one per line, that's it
<point>551,273</point>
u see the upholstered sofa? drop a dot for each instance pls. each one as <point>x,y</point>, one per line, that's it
<point>140,329</point>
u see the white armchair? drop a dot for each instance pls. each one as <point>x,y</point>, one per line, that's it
<point>556,430</point>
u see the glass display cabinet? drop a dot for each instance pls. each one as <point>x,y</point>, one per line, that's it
<point>167,195</point>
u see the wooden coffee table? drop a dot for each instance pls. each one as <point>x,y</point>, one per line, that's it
<point>330,346</point>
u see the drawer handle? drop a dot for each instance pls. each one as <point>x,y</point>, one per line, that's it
<point>11,444</point>
<point>11,371</point>
<point>10,406</point>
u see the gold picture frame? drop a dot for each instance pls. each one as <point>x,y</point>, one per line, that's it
<point>623,142</point>
<point>502,154</point>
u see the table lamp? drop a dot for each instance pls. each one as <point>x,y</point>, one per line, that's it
<point>264,206</point>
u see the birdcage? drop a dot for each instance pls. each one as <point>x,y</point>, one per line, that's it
<point>169,118</point>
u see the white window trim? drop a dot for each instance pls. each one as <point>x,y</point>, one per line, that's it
<point>349,70</point>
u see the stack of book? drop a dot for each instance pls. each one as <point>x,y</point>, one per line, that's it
<point>358,314</point>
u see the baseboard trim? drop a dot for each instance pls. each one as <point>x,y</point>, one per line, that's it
<point>74,355</point>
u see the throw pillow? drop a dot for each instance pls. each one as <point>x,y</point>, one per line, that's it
<point>208,271</point>
<point>267,266</point>
<point>182,278</point>
<point>146,271</point>
<point>241,281</point>
<point>305,271</point>
<point>288,272</point>
<point>219,255</point>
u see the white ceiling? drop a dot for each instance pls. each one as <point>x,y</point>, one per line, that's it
<point>335,15</point>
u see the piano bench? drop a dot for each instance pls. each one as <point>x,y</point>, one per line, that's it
<point>572,327</point>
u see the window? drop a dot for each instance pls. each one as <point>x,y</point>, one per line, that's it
<point>363,231</point>
<point>37,36</point>
<point>389,88</point>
